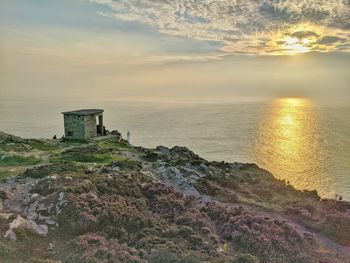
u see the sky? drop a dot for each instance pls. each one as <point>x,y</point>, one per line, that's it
<point>175,50</point>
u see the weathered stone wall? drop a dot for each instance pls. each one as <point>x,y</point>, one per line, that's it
<point>74,127</point>
<point>90,126</point>
<point>80,127</point>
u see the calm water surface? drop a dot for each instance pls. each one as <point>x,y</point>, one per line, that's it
<point>297,140</point>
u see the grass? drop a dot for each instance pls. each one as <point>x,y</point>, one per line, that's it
<point>17,147</point>
<point>4,174</point>
<point>112,144</point>
<point>28,145</point>
<point>82,157</point>
<point>39,145</point>
<point>43,171</point>
<point>105,152</point>
<point>16,160</point>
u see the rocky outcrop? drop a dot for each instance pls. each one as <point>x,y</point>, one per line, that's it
<point>30,209</point>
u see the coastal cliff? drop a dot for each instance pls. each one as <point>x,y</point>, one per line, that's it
<point>108,201</point>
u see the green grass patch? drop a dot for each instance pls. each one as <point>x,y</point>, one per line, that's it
<point>82,157</point>
<point>107,157</point>
<point>43,146</point>
<point>43,171</point>
<point>28,145</point>
<point>56,158</point>
<point>89,154</point>
<point>4,174</point>
<point>113,144</point>
<point>16,147</point>
<point>16,160</point>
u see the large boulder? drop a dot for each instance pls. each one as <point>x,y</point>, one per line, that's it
<point>22,223</point>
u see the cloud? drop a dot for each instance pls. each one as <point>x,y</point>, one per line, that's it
<point>242,26</point>
<point>304,34</point>
<point>331,39</point>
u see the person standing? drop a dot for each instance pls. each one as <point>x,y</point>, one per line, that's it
<point>128,136</point>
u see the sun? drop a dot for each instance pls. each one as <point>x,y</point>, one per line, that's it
<point>296,39</point>
<point>293,101</point>
<point>294,45</point>
<point>291,41</point>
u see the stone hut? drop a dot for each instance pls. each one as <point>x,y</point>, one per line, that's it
<point>83,124</point>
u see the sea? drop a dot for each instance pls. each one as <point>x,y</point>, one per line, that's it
<point>302,142</point>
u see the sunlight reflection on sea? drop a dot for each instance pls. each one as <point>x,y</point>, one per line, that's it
<point>289,143</point>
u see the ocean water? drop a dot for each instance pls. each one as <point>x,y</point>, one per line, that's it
<point>297,140</point>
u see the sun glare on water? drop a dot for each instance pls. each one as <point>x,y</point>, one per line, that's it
<point>289,145</point>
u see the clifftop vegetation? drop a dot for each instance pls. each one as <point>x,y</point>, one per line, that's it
<point>107,201</point>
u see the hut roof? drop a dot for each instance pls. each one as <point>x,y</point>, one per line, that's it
<point>84,112</point>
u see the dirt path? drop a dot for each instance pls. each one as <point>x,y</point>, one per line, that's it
<point>322,239</point>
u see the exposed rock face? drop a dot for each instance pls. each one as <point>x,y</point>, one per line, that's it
<point>172,176</point>
<point>109,201</point>
<point>22,223</point>
<point>35,212</point>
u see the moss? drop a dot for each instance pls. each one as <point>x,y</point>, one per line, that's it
<point>16,160</point>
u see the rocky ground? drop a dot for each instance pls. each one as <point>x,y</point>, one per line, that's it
<point>107,201</point>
